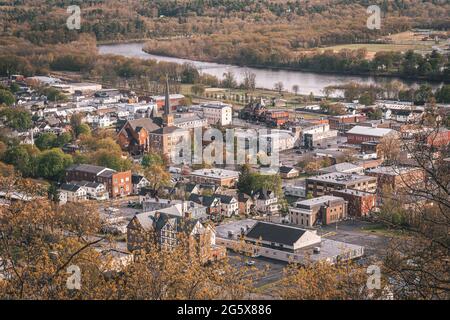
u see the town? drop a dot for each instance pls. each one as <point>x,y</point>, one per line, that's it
<point>115,149</point>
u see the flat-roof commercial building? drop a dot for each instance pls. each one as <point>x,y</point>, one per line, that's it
<point>283,242</point>
<point>326,183</point>
<point>218,177</point>
<point>359,134</point>
<point>344,167</point>
<point>218,113</point>
<point>360,203</point>
<point>397,178</point>
<point>322,210</point>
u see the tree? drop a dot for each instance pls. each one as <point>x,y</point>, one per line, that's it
<point>62,139</point>
<point>41,240</point>
<point>245,182</point>
<point>366,99</point>
<point>249,82</point>
<point>110,159</point>
<point>151,159</point>
<point>198,89</point>
<point>23,158</point>
<point>443,94</point>
<point>279,86</point>
<point>189,73</point>
<point>376,114</point>
<point>417,262</point>
<point>83,129</point>
<point>53,94</point>
<point>6,97</point>
<point>46,140</point>
<point>39,253</point>
<point>158,176</point>
<point>51,164</point>
<point>295,88</point>
<point>389,148</point>
<point>423,94</point>
<point>324,281</point>
<point>229,80</point>
<point>17,119</point>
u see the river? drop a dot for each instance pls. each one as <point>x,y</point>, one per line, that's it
<point>265,78</point>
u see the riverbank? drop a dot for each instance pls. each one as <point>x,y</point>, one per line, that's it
<point>266,78</point>
<point>437,80</point>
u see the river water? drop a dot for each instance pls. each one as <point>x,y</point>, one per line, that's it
<point>265,78</point>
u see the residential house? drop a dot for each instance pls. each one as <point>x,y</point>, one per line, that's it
<point>166,231</point>
<point>288,172</point>
<point>139,182</point>
<point>212,204</point>
<point>246,205</point>
<point>94,190</point>
<point>230,205</point>
<point>71,193</point>
<point>266,202</point>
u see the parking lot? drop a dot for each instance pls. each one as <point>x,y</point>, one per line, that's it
<point>351,232</point>
<point>271,270</point>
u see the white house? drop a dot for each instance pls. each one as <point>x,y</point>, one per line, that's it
<point>94,190</point>
<point>266,201</point>
<point>139,182</point>
<point>71,193</point>
<point>230,205</point>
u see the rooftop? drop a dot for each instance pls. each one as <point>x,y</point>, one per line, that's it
<point>341,167</point>
<point>392,170</point>
<point>89,168</point>
<point>368,131</point>
<point>341,178</point>
<point>216,173</point>
<point>318,201</point>
<point>277,233</point>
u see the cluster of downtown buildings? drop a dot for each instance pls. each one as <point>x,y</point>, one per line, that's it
<point>205,204</point>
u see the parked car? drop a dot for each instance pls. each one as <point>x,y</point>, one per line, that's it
<point>250,263</point>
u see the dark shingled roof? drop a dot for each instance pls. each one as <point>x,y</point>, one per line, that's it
<point>285,169</point>
<point>87,168</point>
<point>70,187</point>
<point>275,233</point>
<point>224,198</point>
<point>147,123</point>
<point>136,178</point>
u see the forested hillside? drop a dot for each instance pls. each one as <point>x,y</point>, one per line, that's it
<point>274,24</point>
<point>277,33</point>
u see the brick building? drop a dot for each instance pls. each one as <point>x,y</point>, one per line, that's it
<point>215,176</point>
<point>360,203</point>
<point>397,178</point>
<point>322,210</point>
<point>326,183</point>
<point>118,184</point>
<point>360,134</point>
<point>345,122</point>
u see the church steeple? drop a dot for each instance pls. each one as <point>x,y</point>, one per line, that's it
<point>168,116</point>
<point>167,98</point>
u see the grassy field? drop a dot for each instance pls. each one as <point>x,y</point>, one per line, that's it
<point>383,231</point>
<point>373,48</point>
